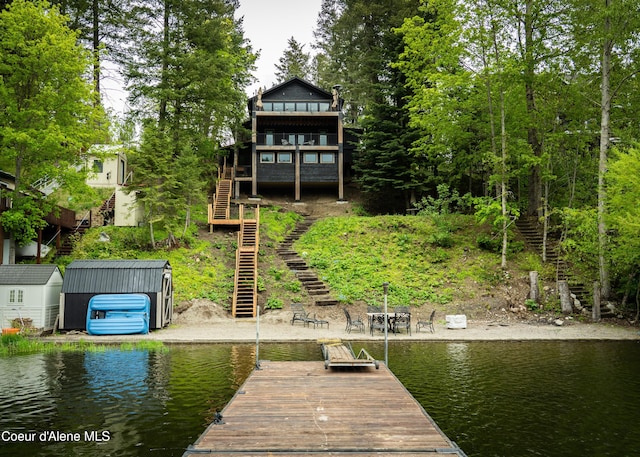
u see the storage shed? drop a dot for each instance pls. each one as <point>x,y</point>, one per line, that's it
<point>30,292</point>
<point>85,278</point>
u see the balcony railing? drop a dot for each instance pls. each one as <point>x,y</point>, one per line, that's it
<point>300,139</point>
<point>298,106</point>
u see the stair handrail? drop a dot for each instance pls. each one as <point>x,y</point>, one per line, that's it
<point>86,217</point>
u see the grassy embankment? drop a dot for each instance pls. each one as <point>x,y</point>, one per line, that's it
<point>432,259</point>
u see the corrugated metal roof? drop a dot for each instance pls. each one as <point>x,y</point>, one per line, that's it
<point>23,275</point>
<point>114,276</point>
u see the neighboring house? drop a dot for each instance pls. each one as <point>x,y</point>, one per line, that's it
<point>297,141</point>
<point>30,292</point>
<point>85,278</point>
<point>59,219</point>
<point>108,167</point>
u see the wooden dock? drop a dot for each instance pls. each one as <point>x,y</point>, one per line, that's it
<point>303,409</point>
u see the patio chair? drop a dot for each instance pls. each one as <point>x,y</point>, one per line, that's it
<point>299,314</point>
<point>377,322</point>
<point>426,324</point>
<point>372,309</point>
<point>353,323</point>
<point>402,319</point>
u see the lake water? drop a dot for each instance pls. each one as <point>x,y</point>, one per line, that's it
<point>492,399</point>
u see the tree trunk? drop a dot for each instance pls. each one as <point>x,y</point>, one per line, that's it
<point>534,294</point>
<point>595,311</point>
<point>96,49</point>
<point>566,302</point>
<point>605,112</point>
<point>535,175</point>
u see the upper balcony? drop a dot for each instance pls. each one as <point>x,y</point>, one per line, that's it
<point>286,140</point>
<point>297,106</point>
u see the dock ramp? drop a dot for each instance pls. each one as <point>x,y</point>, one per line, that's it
<point>339,354</point>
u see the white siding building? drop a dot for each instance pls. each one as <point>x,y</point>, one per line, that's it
<point>30,292</point>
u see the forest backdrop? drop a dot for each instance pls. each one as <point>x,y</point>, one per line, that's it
<point>507,108</point>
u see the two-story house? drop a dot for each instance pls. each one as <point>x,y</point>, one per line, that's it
<point>297,141</point>
<point>109,169</point>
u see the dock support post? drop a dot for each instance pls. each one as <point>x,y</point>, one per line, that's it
<point>385,285</point>
<point>258,337</point>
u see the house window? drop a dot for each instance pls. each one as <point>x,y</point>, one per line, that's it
<point>301,106</point>
<point>267,106</point>
<point>323,138</point>
<point>327,157</point>
<point>97,166</point>
<point>267,157</point>
<point>16,296</point>
<point>301,139</point>
<point>323,106</point>
<point>313,107</point>
<point>269,138</point>
<point>310,157</point>
<point>284,157</point>
<point>292,139</point>
<point>279,106</point>
<point>289,106</point>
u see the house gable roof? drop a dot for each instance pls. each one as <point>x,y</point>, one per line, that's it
<point>114,276</point>
<point>292,89</point>
<point>26,275</point>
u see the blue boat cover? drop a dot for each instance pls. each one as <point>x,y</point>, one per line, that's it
<point>118,314</point>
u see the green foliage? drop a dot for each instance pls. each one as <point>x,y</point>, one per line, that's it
<point>355,255</point>
<point>48,111</point>
<point>19,345</point>
<point>273,303</point>
<point>24,219</point>
<point>294,62</point>
<point>200,269</point>
<point>624,211</point>
<point>446,201</point>
<point>531,304</point>
<point>276,223</point>
<point>581,240</point>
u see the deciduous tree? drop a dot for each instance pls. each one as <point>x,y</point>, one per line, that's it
<point>48,116</point>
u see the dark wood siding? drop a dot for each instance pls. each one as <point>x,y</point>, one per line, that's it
<point>276,172</point>
<point>318,173</point>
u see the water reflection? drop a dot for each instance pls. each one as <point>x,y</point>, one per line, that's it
<point>493,399</point>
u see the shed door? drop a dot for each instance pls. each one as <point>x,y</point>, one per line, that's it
<point>167,298</point>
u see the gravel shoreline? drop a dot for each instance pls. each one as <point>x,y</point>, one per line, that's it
<point>276,327</point>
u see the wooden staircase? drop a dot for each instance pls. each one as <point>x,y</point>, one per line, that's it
<point>109,204</point>
<point>66,246</point>
<point>310,281</point>
<point>530,230</point>
<point>245,289</point>
<point>222,200</point>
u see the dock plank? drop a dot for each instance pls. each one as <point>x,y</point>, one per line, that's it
<point>299,409</point>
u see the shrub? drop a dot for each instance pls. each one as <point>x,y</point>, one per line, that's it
<point>273,303</point>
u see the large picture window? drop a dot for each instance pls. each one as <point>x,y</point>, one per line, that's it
<point>327,157</point>
<point>267,157</point>
<point>285,157</point>
<point>310,157</point>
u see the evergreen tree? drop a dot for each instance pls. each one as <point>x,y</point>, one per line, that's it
<point>294,62</point>
<point>186,84</point>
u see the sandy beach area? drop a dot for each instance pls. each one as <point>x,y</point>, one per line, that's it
<point>203,323</point>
